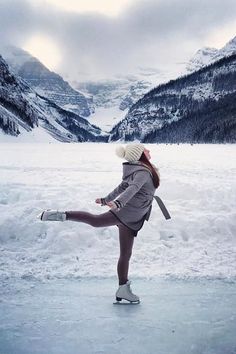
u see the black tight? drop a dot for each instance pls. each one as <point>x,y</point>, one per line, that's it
<point>126,236</point>
<point>126,245</point>
<point>100,220</point>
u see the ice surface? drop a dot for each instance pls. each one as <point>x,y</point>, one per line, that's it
<point>198,186</point>
<point>78,317</point>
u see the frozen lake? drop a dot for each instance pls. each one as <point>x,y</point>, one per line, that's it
<point>58,279</point>
<point>78,317</point>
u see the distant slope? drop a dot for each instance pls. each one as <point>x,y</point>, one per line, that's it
<point>22,109</point>
<point>112,98</point>
<point>214,122</point>
<point>46,82</point>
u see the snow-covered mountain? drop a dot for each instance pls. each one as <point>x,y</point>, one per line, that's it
<point>46,82</point>
<point>105,103</point>
<point>112,98</point>
<point>22,110</point>
<point>199,107</point>
<point>206,55</point>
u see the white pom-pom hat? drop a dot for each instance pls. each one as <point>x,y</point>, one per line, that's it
<point>131,153</point>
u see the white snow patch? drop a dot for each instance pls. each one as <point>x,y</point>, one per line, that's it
<point>198,185</point>
<point>36,135</point>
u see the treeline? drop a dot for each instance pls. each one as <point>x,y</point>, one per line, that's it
<point>215,122</point>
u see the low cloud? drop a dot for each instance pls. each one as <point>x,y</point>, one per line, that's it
<point>148,33</point>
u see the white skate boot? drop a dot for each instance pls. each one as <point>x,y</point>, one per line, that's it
<point>125,292</point>
<point>52,215</point>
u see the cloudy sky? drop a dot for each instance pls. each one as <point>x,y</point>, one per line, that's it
<point>94,39</point>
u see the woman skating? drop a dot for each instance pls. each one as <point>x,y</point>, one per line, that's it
<point>130,205</point>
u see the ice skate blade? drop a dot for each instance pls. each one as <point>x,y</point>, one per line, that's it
<point>126,302</point>
<point>39,216</point>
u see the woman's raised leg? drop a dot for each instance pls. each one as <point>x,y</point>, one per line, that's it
<point>100,220</point>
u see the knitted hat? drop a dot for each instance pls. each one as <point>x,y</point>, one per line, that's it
<point>132,152</point>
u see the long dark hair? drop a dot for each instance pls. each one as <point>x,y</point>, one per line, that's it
<point>155,176</point>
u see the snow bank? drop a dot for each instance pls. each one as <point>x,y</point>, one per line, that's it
<point>36,135</point>
<point>198,185</point>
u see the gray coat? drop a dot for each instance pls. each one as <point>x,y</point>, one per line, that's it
<point>135,193</point>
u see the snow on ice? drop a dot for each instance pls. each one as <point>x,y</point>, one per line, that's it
<point>198,185</point>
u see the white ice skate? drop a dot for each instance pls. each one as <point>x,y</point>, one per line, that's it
<point>52,215</point>
<point>124,292</point>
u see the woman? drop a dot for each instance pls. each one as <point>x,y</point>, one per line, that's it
<point>130,205</point>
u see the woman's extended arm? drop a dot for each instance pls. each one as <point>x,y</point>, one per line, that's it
<point>117,191</point>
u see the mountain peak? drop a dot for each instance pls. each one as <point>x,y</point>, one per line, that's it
<point>230,47</point>
<point>208,55</point>
<point>201,58</point>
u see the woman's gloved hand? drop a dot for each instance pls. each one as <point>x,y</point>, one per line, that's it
<point>114,204</point>
<point>100,201</point>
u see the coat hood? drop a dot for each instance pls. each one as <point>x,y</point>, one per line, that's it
<point>130,167</point>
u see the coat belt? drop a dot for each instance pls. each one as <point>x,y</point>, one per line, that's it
<point>162,207</point>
